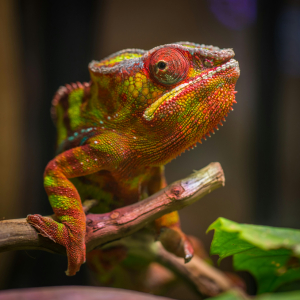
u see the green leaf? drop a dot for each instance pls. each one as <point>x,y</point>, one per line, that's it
<point>270,254</point>
<point>295,295</point>
<point>232,295</point>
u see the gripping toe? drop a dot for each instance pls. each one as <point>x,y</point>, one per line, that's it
<point>73,240</point>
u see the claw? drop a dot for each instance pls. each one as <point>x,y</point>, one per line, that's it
<point>188,258</point>
<point>176,242</point>
<point>188,250</point>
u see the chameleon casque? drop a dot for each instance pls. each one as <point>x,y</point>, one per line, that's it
<point>115,134</point>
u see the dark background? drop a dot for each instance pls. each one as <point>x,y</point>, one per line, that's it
<point>45,44</point>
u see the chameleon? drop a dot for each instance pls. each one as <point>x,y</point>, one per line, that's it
<point>140,110</point>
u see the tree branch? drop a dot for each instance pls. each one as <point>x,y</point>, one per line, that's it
<point>103,228</point>
<point>202,277</point>
<point>107,230</point>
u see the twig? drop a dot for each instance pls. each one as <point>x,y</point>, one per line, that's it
<point>103,228</point>
<point>204,278</point>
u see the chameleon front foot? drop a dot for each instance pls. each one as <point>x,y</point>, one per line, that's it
<point>176,242</point>
<point>67,235</point>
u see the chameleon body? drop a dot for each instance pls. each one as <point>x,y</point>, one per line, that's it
<point>139,111</point>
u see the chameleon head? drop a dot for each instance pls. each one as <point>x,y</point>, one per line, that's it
<point>202,80</point>
<point>177,91</point>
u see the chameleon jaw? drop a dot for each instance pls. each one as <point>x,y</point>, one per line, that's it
<point>150,111</point>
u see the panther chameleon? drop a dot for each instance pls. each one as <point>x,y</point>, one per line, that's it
<point>140,110</point>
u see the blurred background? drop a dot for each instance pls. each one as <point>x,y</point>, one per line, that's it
<point>45,44</point>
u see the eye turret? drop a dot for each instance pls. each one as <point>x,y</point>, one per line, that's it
<point>168,66</point>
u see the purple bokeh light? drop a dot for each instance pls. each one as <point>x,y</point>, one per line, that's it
<point>235,14</point>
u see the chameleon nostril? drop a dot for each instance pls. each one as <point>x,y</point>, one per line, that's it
<point>208,63</point>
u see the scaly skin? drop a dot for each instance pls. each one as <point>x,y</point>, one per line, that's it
<point>115,134</point>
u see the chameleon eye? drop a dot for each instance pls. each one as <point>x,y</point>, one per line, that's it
<point>161,65</point>
<point>168,66</point>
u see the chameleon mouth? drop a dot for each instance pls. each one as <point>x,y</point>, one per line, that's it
<point>232,66</point>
